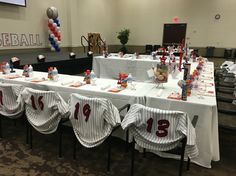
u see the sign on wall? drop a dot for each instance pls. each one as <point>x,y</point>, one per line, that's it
<point>20,40</point>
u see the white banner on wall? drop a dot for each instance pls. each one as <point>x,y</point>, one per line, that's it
<point>20,40</point>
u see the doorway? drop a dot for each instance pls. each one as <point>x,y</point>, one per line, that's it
<point>174,34</point>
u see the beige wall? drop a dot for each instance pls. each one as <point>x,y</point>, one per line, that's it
<point>93,16</point>
<point>145,19</point>
<point>33,19</point>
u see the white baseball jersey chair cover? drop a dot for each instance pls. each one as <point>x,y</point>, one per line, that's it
<point>160,130</point>
<point>93,120</point>
<point>11,104</point>
<point>44,110</point>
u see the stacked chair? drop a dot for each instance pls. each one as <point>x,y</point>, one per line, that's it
<point>11,103</point>
<point>226,95</point>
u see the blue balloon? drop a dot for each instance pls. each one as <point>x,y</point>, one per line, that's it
<point>50,39</point>
<point>58,49</point>
<point>53,43</point>
<point>55,20</point>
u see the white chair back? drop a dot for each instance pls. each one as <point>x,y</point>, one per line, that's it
<point>160,130</point>
<point>44,109</point>
<point>11,103</point>
<point>92,119</point>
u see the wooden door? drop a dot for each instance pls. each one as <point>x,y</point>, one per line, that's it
<point>94,39</point>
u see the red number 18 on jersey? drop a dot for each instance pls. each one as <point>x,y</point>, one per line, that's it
<point>162,126</point>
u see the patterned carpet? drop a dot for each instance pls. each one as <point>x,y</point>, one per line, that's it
<point>17,159</point>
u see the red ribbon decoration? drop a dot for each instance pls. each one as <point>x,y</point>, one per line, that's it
<point>163,58</point>
<point>181,55</point>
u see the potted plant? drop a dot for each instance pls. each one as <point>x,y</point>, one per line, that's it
<point>123,36</point>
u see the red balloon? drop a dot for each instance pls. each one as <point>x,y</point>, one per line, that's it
<point>53,30</point>
<point>49,25</point>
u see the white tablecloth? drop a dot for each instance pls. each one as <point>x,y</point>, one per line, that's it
<point>206,109</point>
<point>110,67</point>
<point>125,96</point>
<point>148,94</point>
<point>118,99</point>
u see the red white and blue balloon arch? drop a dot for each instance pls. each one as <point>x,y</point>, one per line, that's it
<point>54,33</point>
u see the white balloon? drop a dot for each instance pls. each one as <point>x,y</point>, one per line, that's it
<point>50,21</point>
<point>55,25</point>
<point>52,35</point>
<point>52,48</point>
<point>58,42</point>
<point>58,28</point>
<point>52,12</point>
<point>55,39</point>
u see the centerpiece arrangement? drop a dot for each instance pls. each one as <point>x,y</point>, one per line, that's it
<point>161,71</point>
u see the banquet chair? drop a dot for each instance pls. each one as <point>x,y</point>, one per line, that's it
<point>161,130</point>
<point>226,101</point>
<point>225,77</point>
<point>45,111</point>
<point>148,49</point>
<point>93,121</point>
<point>227,112</point>
<point>156,47</point>
<point>228,53</point>
<point>210,51</point>
<point>11,104</point>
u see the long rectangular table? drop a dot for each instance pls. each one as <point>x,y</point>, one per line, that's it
<point>147,94</point>
<point>111,66</point>
<point>204,106</point>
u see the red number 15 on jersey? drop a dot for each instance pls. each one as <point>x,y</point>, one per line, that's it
<point>40,102</point>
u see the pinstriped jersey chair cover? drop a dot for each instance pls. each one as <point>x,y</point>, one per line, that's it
<point>44,109</point>
<point>160,130</point>
<point>11,104</point>
<point>93,119</point>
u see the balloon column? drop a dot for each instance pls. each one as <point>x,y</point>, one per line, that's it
<point>54,36</point>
